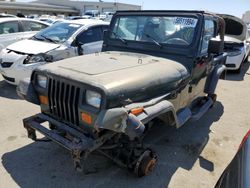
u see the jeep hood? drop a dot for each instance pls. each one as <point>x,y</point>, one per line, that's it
<point>32,46</point>
<point>121,74</point>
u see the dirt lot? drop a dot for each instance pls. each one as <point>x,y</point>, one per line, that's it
<point>193,156</point>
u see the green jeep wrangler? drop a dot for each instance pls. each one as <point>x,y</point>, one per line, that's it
<point>162,65</point>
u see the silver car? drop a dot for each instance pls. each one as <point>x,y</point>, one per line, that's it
<point>16,29</point>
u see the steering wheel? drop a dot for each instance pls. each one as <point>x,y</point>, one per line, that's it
<point>176,41</point>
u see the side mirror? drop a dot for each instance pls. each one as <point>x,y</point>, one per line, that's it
<point>79,45</point>
<point>105,34</point>
<point>215,46</point>
<point>105,39</point>
<point>77,42</point>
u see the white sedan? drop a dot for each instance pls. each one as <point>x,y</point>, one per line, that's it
<point>237,42</point>
<point>3,15</point>
<point>60,41</point>
<point>15,29</point>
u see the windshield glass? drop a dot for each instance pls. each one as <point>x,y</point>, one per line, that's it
<point>156,29</point>
<point>58,33</point>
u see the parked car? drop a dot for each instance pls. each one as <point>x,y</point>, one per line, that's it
<point>33,16</point>
<point>60,41</point>
<point>16,29</point>
<point>51,19</point>
<point>154,65</point>
<point>106,16</point>
<point>92,13</point>
<point>237,173</point>
<point>74,18</point>
<point>3,15</point>
<point>60,17</point>
<point>78,17</point>
<point>248,28</point>
<point>48,20</point>
<point>46,16</point>
<point>237,42</point>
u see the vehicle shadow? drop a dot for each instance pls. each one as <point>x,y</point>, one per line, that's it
<point>8,90</point>
<point>48,165</point>
<point>233,76</point>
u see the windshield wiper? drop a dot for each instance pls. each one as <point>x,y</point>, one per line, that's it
<point>120,38</point>
<point>49,39</point>
<point>37,38</point>
<point>152,38</point>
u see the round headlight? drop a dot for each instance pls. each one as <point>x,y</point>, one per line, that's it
<point>42,81</point>
<point>93,98</point>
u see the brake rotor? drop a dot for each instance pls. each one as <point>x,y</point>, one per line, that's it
<point>145,163</point>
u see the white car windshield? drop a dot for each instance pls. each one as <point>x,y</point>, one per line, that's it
<point>157,29</point>
<point>58,33</point>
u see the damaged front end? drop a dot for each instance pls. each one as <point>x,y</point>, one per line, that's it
<point>125,152</point>
<point>116,133</point>
<point>234,48</point>
<point>16,65</point>
<point>236,54</point>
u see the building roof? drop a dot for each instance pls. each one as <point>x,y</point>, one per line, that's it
<point>36,6</point>
<point>80,4</point>
<point>77,2</point>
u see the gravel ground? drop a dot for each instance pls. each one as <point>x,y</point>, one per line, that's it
<point>193,156</point>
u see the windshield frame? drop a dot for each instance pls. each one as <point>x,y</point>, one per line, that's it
<point>157,14</point>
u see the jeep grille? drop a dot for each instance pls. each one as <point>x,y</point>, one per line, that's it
<point>63,101</point>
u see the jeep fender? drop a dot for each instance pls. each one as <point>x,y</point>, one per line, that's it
<point>25,90</point>
<point>213,78</point>
<point>112,119</point>
<point>120,120</point>
<point>161,108</point>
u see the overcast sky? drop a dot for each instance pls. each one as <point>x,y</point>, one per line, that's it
<point>235,7</point>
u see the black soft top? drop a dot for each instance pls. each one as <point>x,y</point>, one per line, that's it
<point>195,12</point>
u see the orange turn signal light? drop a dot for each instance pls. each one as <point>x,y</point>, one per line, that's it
<point>43,100</point>
<point>86,118</point>
<point>137,111</point>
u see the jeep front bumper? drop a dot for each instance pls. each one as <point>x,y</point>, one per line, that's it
<point>81,146</point>
<point>75,141</point>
